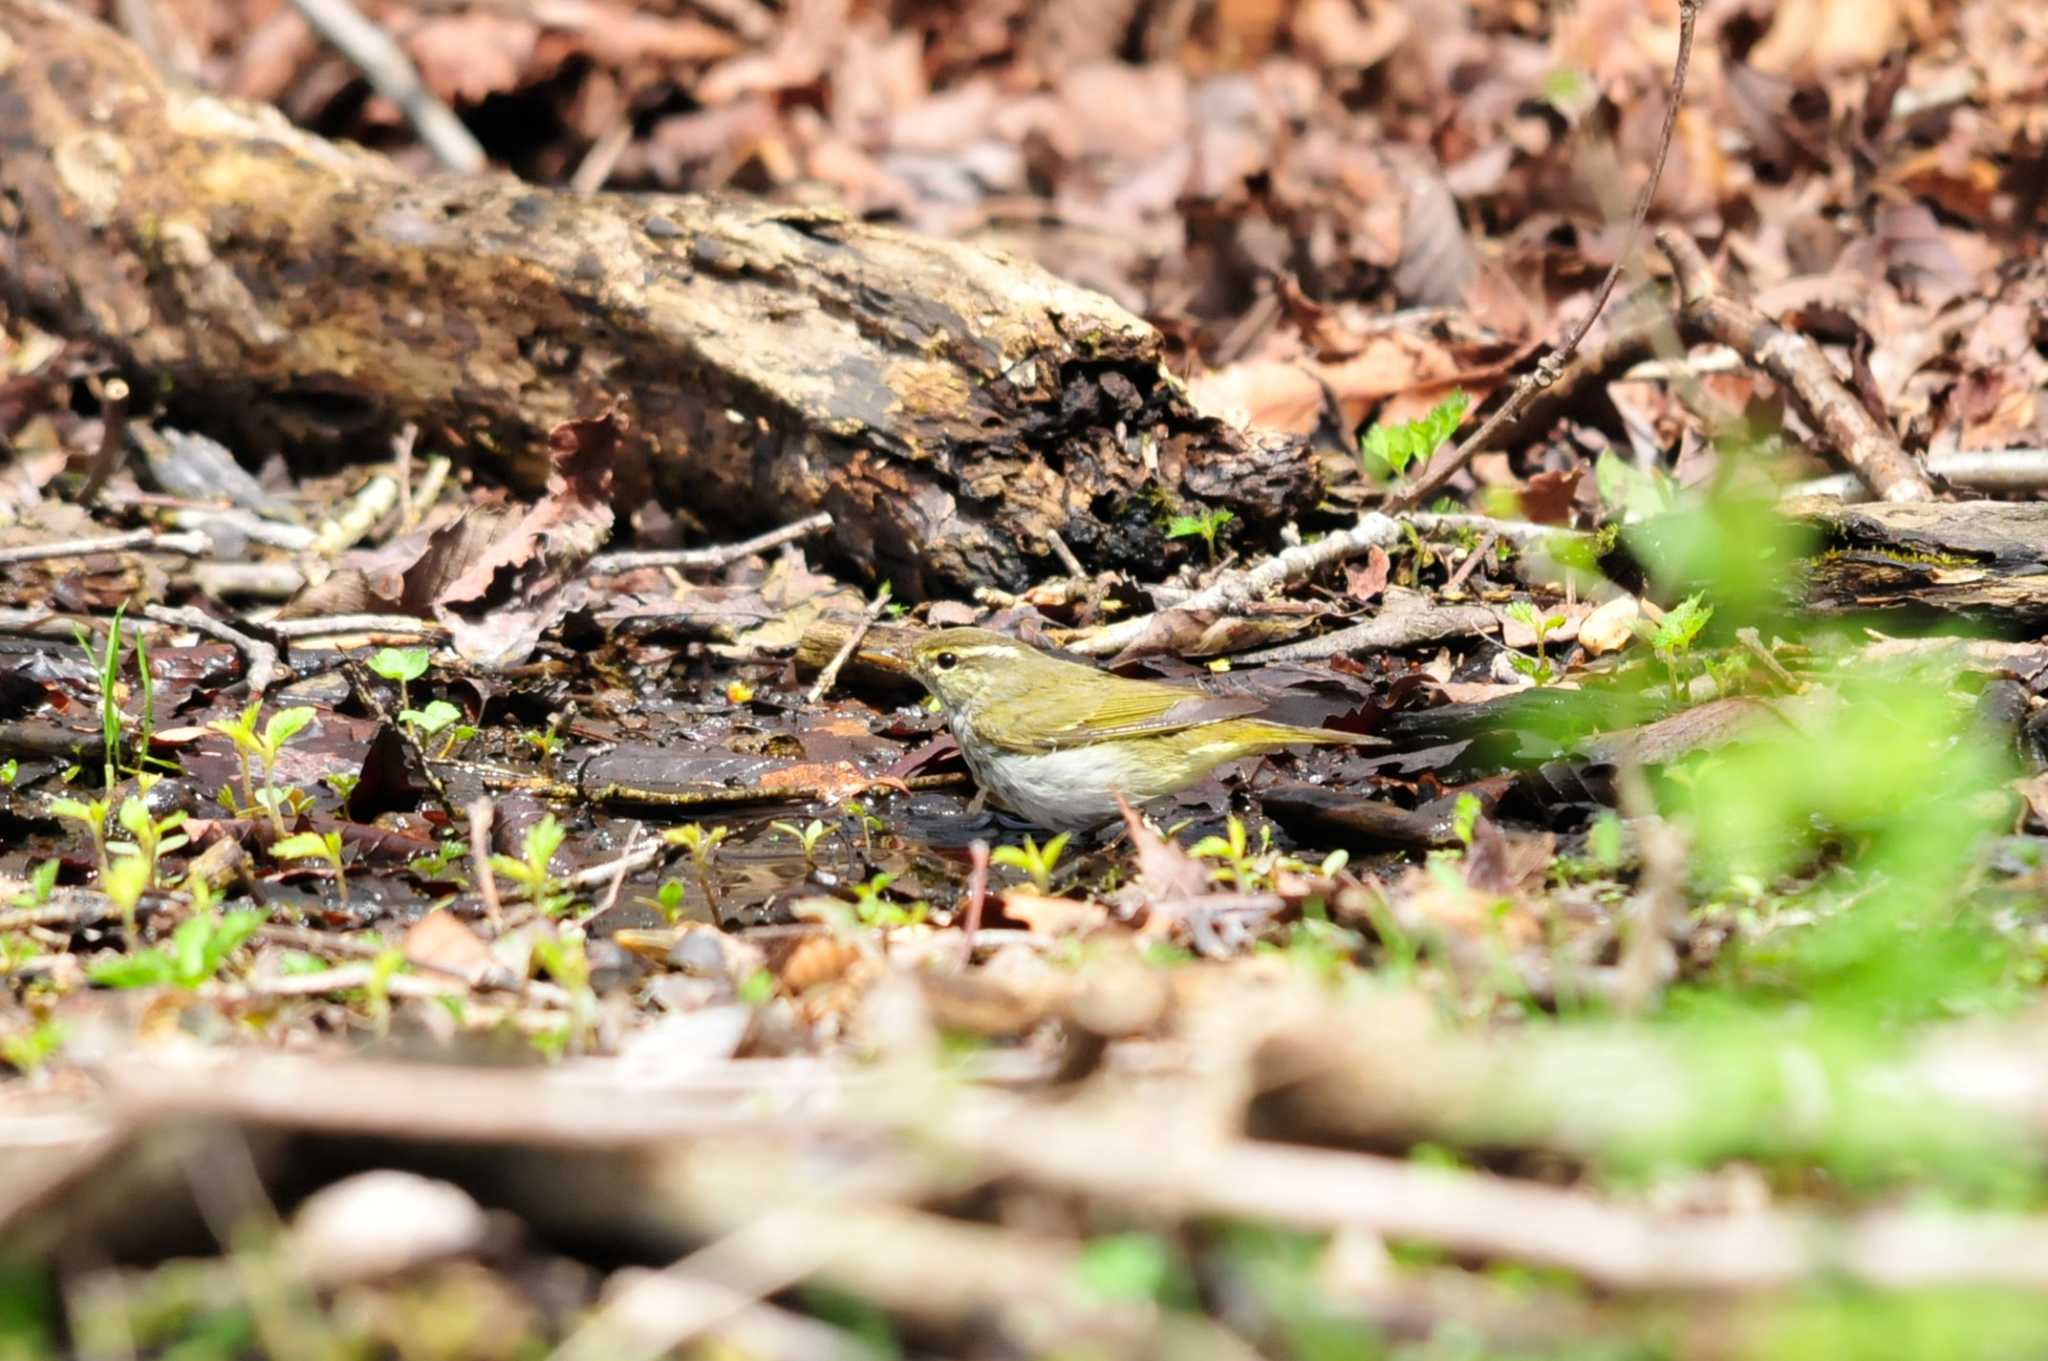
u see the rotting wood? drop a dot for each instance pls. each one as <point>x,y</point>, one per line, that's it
<point>1983,559</point>
<point>952,408</point>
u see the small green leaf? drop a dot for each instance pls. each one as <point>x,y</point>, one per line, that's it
<point>437,715</point>
<point>1465,817</point>
<point>286,724</point>
<point>400,663</point>
<point>1395,447</point>
<point>304,846</point>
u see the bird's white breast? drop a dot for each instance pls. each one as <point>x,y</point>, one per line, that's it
<point>1072,788</point>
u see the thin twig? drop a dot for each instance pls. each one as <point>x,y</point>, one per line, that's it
<point>113,439</point>
<point>830,675</point>
<point>341,625</point>
<point>1065,554</point>
<point>391,73</point>
<point>189,543</point>
<point>480,813</point>
<point>1797,364</point>
<point>260,658</point>
<point>1387,631</point>
<point>1234,591</point>
<point>1441,469</point>
<point>627,561</point>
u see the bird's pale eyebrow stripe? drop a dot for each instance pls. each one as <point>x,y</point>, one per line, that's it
<point>982,650</point>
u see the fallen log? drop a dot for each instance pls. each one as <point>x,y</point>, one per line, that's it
<point>1983,560</point>
<point>953,409</point>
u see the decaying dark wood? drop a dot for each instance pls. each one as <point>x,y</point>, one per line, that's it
<point>953,408</point>
<point>1987,559</point>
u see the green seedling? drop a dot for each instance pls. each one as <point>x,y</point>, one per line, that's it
<point>1388,451</point>
<point>702,843</point>
<point>870,908</point>
<point>10,769</point>
<point>107,663</point>
<point>869,824</point>
<point>1232,851</point>
<point>403,665</point>
<point>93,814</point>
<point>1672,637</point>
<point>568,963</point>
<point>1201,527</point>
<point>668,900</point>
<point>197,950</point>
<point>264,744</point>
<point>531,872</point>
<point>806,836</point>
<point>42,882</point>
<point>439,716</point>
<point>27,1050</point>
<point>377,989</point>
<point>343,783</point>
<point>124,883</point>
<point>153,838</point>
<point>548,742</point>
<point>1538,668</point>
<point>315,846</point>
<point>17,948</point>
<point>1033,859</point>
<point>1465,818</point>
<point>447,858</point>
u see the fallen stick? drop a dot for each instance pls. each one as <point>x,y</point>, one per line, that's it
<point>1798,365</point>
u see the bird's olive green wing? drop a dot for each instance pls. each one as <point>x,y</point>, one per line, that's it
<point>1087,714</point>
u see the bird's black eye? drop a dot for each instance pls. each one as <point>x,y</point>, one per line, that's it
<point>946,661</point>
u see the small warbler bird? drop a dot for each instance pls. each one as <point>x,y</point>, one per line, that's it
<point>1057,741</point>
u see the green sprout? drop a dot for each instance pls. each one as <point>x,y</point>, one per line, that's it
<point>531,873</point>
<point>1233,850</point>
<point>42,882</point>
<point>1672,637</point>
<point>107,664</point>
<point>702,844</point>
<point>29,1049</point>
<point>315,846</point>
<point>93,813</point>
<point>1465,818</point>
<point>153,837</point>
<point>1033,859</point>
<point>197,950</point>
<point>668,900</point>
<point>806,836</point>
<point>403,665</point>
<point>568,963</point>
<point>548,742</point>
<point>439,716</point>
<point>1201,527</point>
<point>123,883</point>
<point>265,745</point>
<point>870,908</point>
<point>1538,668</point>
<point>1387,451</point>
<point>448,854</point>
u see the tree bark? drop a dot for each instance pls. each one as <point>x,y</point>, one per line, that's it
<point>951,407</point>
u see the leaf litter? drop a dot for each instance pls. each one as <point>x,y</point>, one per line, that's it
<point>1658,990</point>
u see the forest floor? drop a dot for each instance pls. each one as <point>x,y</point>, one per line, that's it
<point>1671,986</point>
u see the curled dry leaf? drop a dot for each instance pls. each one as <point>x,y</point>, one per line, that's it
<point>1046,916</point>
<point>1610,628</point>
